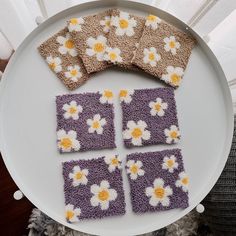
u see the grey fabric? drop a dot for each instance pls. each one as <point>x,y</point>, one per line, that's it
<point>41,224</point>
<point>220,203</point>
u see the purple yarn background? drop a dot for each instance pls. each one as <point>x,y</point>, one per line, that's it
<point>152,165</point>
<point>139,109</point>
<point>80,196</point>
<point>91,106</point>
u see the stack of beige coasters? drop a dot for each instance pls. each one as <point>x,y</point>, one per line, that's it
<point>90,36</point>
<point>62,58</point>
<point>93,43</point>
<point>163,51</point>
<point>125,32</point>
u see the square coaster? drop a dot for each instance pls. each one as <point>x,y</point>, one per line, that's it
<point>90,37</point>
<point>93,188</point>
<point>163,51</point>
<point>85,121</point>
<point>149,116</point>
<point>62,58</point>
<point>125,32</point>
<point>157,181</point>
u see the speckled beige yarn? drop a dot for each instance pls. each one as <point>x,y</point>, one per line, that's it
<point>127,44</point>
<point>155,38</point>
<point>90,28</point>
<point>50,48</point>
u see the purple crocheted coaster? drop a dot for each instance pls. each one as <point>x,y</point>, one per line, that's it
<point>157,181</point>
<point>85,121</point>
<point>93,188</point>
<point>149,117</point>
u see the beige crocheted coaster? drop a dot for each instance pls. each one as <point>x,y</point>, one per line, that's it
<point>125,32</point>
<point>62,58</point>
<point>163,51</point>
<point>89,34</point>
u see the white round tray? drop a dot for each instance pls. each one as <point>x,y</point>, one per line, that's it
<point>28,124</point>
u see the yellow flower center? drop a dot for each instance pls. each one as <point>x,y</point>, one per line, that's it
<point>151,56</point>
<point>108,94</point>
<point>72,110</point>
<point>108,23</point>
<point>114,161</point>
<point>123,93</point>
<point>112,55</point>
<point>185,180</point>
<point>175,79</point>
<point>98,47</point>
<point>96,125</point>
<point>69,215</point>
<point>137,132</point>
<point>69,44</point>
<point>170,163</point>
<point>66,143</point>
<point>74,21</point>
<point>134,169</point>
<point>103,195</point>
<point>74,72</point>
<point>79,175</point>
<point>123,24</point>
<point>157,107</point>
<point>52,65</point>
<point>172,44</point>
<point>173,134</point>
<point>151,18</point>
<point>159,192</point>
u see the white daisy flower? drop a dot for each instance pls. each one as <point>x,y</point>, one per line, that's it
<point>172,134</point>
<point>96,124</point>
<point>113,162</point>
<point>158,193</point>
<point>152,21</point>
<point>97,47</point>
<point>54,63</point>
<point>72,110</point>
<point>67,45</point>
<point>113,55</point>
<point>75,24</point>
<point>72,214</point>
<point>107,96</point>
<point>106,22</point>
<point>134,169</point>
<point>73,73</point>
<point>136,132</point>
<point>183,181</point>
<point>173,76</point>
<point>66,141</point>
<point>170,163</point>
<point>124,24</point>
<point>102,195</point>
<point>79,176</point>
<point>151,56</point>
<point>171,44</point>
<point>158,107</point>
<point>126,95</point>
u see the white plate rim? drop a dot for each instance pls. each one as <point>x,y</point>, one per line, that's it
<point>230,116</point>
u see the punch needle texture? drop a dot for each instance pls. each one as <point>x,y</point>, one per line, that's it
<point>85,121</point>
<point>93,188</point>
<point>158,181</point>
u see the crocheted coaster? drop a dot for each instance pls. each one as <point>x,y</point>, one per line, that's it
<point>157,181</point>
<point>163,51</point>
<point>85,121</point>
<point>93,188</point>
<point>125,32</point>
<point>62,58</point>
<point>89,34</point>
<point>149,117</point>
